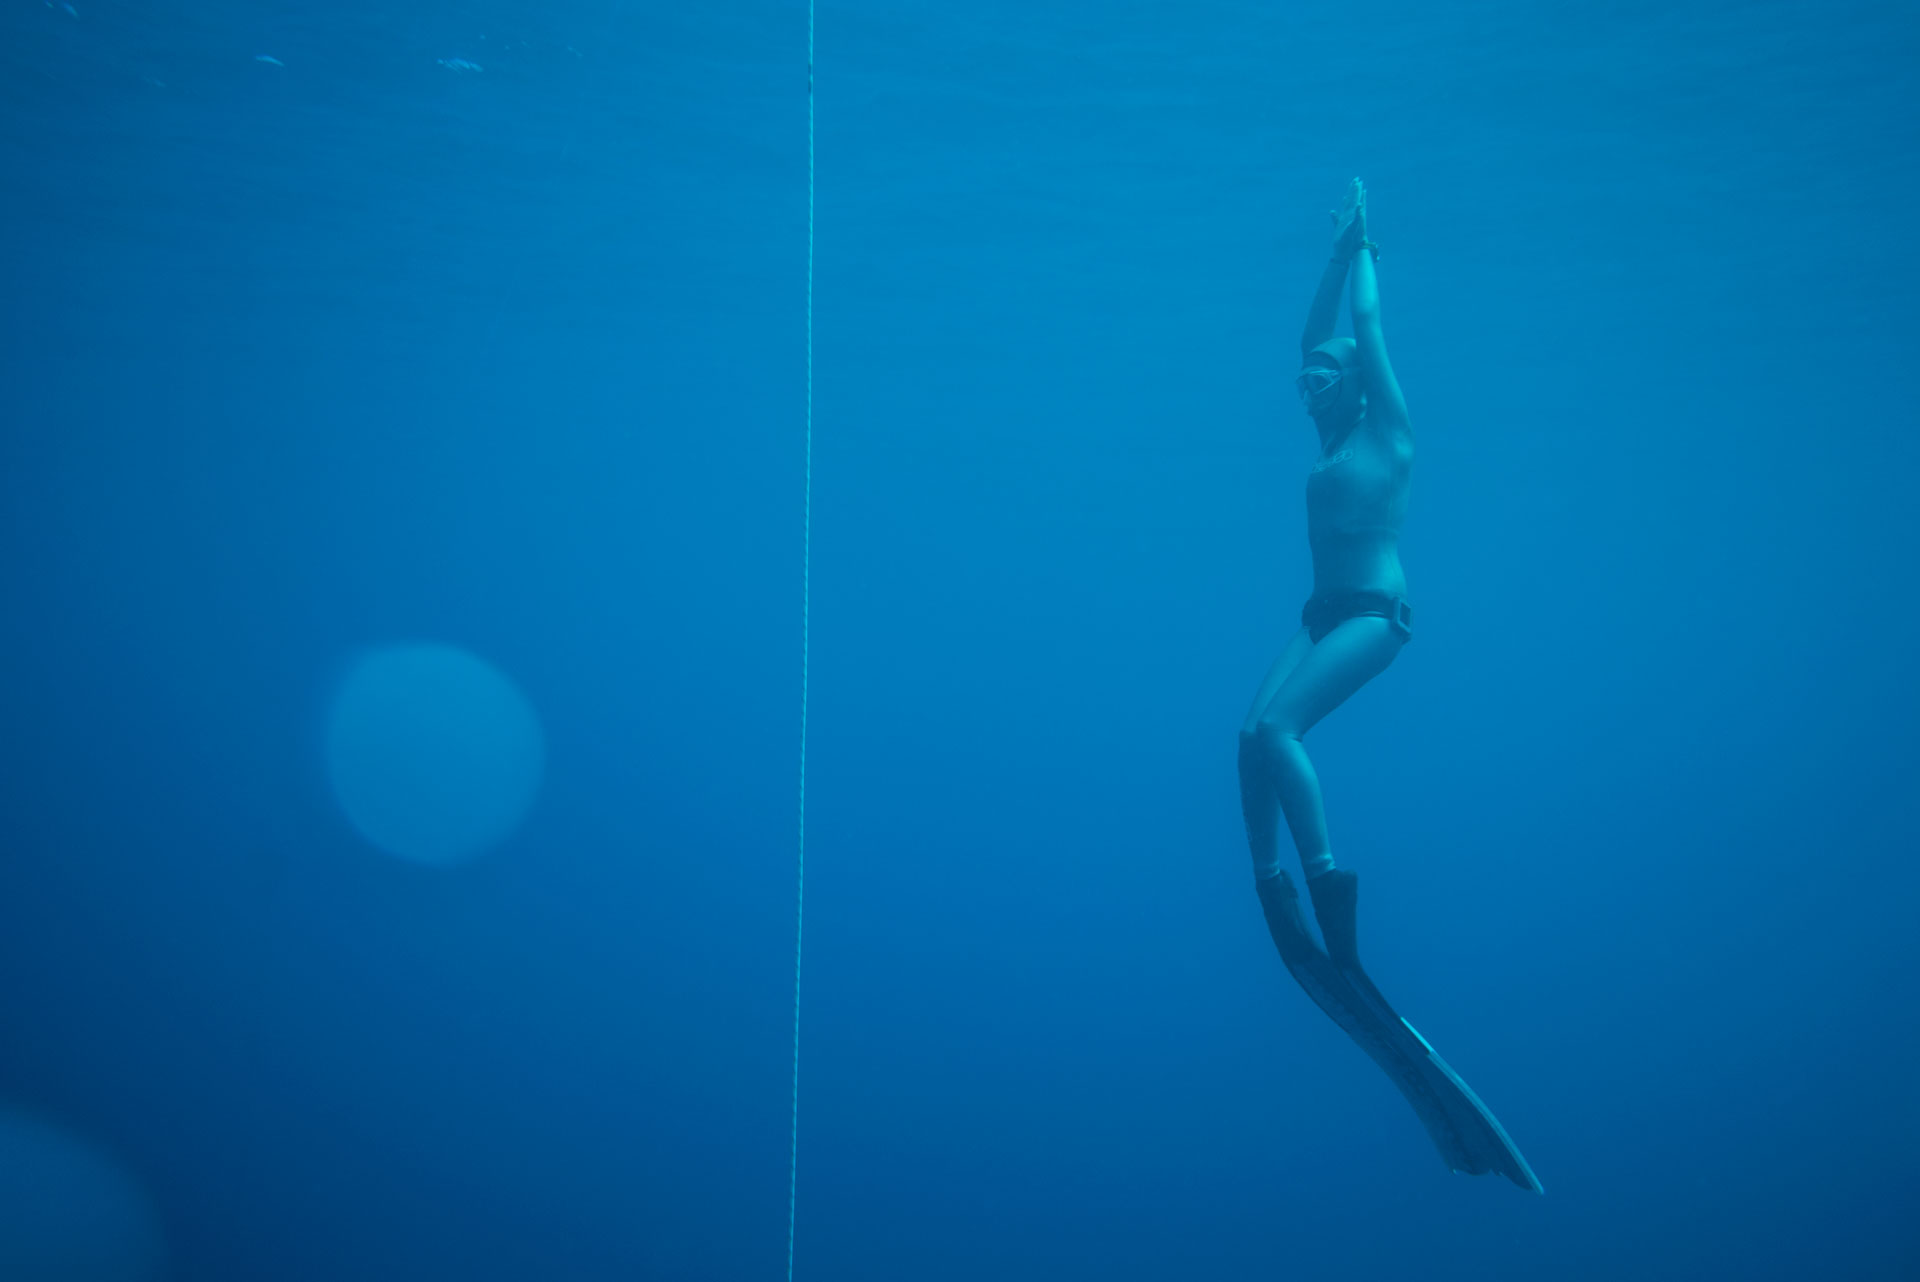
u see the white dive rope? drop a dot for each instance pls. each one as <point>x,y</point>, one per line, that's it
<point>806,589</point>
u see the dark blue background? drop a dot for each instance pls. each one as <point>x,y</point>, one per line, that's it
<point>361,348</point>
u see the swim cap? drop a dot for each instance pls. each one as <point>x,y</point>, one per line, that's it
<point>1343,352</point>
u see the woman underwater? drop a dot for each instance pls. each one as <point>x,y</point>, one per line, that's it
<point>1351,629</point>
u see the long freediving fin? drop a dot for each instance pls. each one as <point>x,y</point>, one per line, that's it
<point>1322,981</point>
<point>1467,1135</point>
<point>1483,1141</point>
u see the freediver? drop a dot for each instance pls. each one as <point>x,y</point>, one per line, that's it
<point>1351,629</point>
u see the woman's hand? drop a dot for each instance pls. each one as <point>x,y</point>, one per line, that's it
<point>1350,222</point>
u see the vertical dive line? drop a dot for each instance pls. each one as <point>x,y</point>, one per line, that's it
<point>806,602</point>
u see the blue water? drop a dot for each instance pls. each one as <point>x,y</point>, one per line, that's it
<point>363,346</point>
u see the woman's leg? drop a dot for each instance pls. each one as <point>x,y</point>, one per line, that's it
<point>1259,804</point>
<point>1325,676</point>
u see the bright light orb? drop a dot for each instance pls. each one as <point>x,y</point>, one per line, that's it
<point>68,1211</point>
<point>434,755</point>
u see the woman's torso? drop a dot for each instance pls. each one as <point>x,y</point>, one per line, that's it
<point>1356,504</point>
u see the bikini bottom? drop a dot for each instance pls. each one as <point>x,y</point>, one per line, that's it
<point>1323,614</point>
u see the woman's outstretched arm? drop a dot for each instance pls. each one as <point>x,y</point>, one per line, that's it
<point>1349,231</point>
<point>1326,305</point>
<point>1385,404</point>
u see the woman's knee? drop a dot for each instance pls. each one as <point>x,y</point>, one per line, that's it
<point>1275,736</point>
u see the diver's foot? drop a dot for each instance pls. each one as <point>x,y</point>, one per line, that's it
<point>1336,898</point>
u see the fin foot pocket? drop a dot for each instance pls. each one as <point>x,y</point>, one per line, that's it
<point>1336,899</point>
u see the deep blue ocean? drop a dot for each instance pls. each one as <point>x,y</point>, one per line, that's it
<point>471,339</point>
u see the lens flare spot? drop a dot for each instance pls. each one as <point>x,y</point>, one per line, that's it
<point>434,755</point>
<point>68,1211</point>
